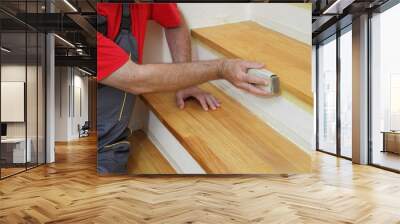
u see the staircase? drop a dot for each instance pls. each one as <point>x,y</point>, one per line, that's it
<point>248,134</point>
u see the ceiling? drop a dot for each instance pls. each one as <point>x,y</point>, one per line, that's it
<point>74,24</point>
<point>332,15</point>
<point>78,27</point>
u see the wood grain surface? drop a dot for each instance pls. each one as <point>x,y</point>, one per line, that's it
<point>145,157</point>
<point>70,191</point>
<point>230,140</point>
<point>288,58</point>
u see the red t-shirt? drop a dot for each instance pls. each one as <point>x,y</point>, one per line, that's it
<point>110,56</point>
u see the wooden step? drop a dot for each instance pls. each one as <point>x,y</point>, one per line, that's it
<point>230,140</point>
<point>246,135</point>
<point>287,113</point>
<point>288,58</point>
<point>145,157</point>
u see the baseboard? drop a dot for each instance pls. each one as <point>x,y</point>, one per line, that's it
<point>170,148</point>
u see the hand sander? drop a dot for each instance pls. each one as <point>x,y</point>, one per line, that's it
<point>273,80</point>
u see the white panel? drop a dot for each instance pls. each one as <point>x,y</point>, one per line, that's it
<point>50,98</point>
<point>12,101</point>
<point>360,90</point>
<point>288,19</point>
<point>76,120</point>
<point>170,148</point>
<point>200,14</point>
<point>19,155</point>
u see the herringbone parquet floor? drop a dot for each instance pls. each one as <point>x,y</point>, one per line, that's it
<point>70,191</point>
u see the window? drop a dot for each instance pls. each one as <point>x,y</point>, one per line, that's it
<point>394,102</point>
<point>22,76</point>
<point>334,106</point>
<point>327,96</point>
<point>346,92</point>
<point>385,89</point>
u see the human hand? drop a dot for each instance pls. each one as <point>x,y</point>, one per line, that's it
<point>205,99</point>
<point>235,71</point>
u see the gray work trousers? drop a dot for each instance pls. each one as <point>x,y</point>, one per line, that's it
<point>114,108</point>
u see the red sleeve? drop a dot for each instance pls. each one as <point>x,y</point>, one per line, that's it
<point>112,11</point>
<point>110,57</point>
<point>167,15</point>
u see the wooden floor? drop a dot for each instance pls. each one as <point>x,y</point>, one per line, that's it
<point>387,159</point>
<point>70,191</point>
<point>10,171</point>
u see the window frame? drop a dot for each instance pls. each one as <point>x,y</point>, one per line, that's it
<point>30,29</point>
<point>381,9</point>
<point>334,37</point>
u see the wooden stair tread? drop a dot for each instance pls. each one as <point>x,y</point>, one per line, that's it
<point>288,58</point>
<point>230,140</point>
<point>145,157</point>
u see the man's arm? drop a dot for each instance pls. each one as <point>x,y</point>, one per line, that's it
<point>179,44</point>
<point>147,78</point>
<point>139,79</point>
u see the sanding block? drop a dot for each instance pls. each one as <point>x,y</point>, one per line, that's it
<point>273,80</point>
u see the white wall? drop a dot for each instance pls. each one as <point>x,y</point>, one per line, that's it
<point>293,20</point>
<point>61,103</point>
<point>12,101</point>
<point>201,14</point>
<point>69,85</point>
<point>33,127</point>
<point>196,15</point>
<point>15,72</point>
<point>80,84</point>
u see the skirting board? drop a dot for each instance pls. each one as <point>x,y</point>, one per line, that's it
<point>170,148</point>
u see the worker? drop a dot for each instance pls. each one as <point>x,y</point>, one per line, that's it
<point>122,76</point>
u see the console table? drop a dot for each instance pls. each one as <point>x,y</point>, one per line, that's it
<point>391,141</point>
<point>13,150</point>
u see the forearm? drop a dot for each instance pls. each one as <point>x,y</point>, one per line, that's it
<point>179,44</point>
<point>140,79</point>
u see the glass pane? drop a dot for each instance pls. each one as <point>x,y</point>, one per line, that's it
<point>386,89</point>
<point>41,99</point>
<point>13,85</point>
<point>346,94</point>
<point>394,101</point>
<point>31,98</point>
<point>327,96</point>
<point>23,80</point>
<point>32,84</point>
